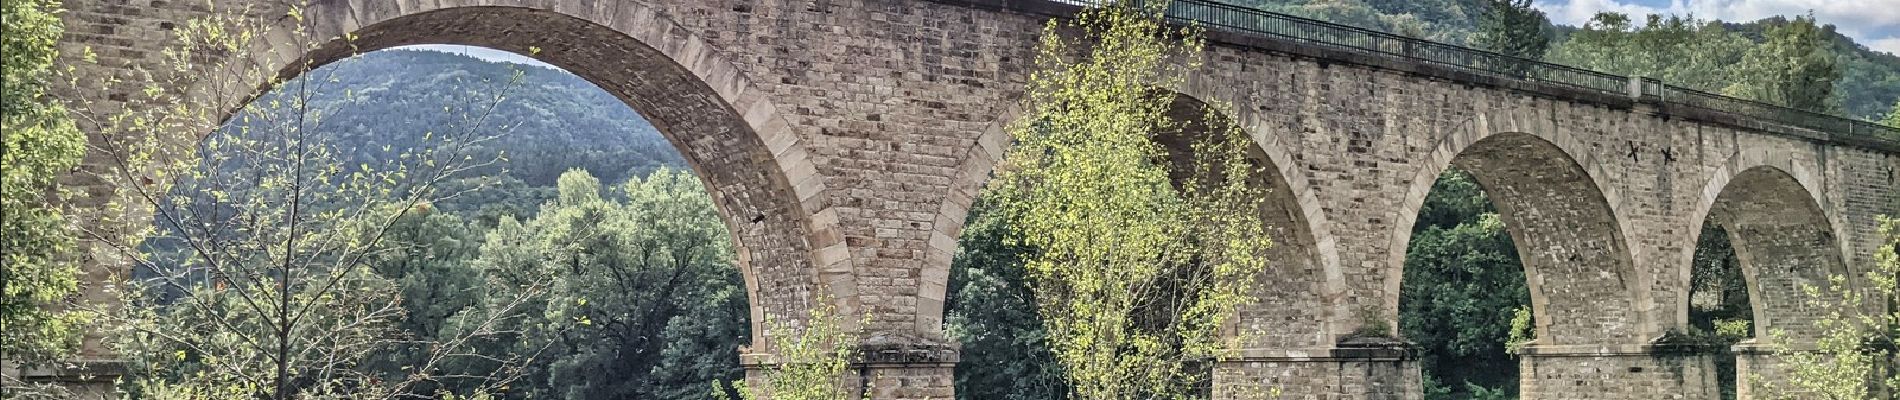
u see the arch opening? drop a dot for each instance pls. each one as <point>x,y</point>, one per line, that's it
<point>1782,242</point>
<point>993,314</point>
<point>1719,305</point>
<point>538,221</point>
<point>1577,265</point>
<point>743,154</point>
<point>1464,299</point>
<point>731,137</point>
<point>1763,243</point>
<point>1524,240</point>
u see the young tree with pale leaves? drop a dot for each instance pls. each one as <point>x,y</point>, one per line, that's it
<point>1135,272</point>
<point>40,144</point>
<point>1855,357</point>
<point>254,274</point>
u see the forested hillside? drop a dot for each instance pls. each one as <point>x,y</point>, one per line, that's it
<point>549,122</point>
<point>552,119</point>
<point>1440,20</point>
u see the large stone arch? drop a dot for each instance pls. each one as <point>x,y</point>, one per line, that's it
<point>1304,269</point>
<point>1304,266</point>
<point>1584,284</point>
<point>753,163</point>
<point>1782,233</point>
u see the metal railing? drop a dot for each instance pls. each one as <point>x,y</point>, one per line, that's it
<point>1232,18</point>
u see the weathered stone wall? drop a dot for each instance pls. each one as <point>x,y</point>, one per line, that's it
<point>844,141</point>
<point>1382,374</point>
<point>1760,373</point>
<point>1616,373</point>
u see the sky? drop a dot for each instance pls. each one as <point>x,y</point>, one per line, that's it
<point>1874,23</point>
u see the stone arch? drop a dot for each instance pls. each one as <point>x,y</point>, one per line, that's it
<point>1585,287</point>
<point>753,163</point>
<point>1781,233</point>
<point>1287,319</point>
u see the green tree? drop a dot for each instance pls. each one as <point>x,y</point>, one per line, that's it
<point>40,145</point>
<point>1448,21</point>
<point>1135,271</point>
<point>1680,51</point>
<point>628,266</point>
<point>1513,28</point>
<point>1463,286</point>
<point>1795,68</point>
<point>992,313</point>
<point>701,340</point>
<point>426,255</point>
<point>1893,118</point>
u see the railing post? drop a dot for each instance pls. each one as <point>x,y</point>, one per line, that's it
<point>1635,88</point>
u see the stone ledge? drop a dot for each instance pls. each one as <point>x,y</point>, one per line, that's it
<point>1757,347</point>
<point>1752,347</point>
<point>1320,354</point>
<point>926,354</point>
<point>1588,350</point>
<point>73,371</point>
<point>1608,350</point>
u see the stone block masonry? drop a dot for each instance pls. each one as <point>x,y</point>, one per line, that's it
<point>844,141</point>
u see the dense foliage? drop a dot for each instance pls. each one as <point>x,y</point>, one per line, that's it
<point>258,282</point>
<point>40,144</point>
<point>1440,20</point>
<point>1794,67</point>
<point>1514,28</point>
<point>1678,50</point>
<point>1463,285</point>
<point>992,313</point>
<point>638,276</point>
<point>645,301</point>
<point>1893,117</point>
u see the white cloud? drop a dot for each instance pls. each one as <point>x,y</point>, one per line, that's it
<point>1576,12</point>
<point>1854,17</point>
<point>1890,45</point>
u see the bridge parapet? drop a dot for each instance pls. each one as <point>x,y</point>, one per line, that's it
<point>1252,27</point>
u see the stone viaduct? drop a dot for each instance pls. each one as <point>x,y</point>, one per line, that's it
<point>845,140</point>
